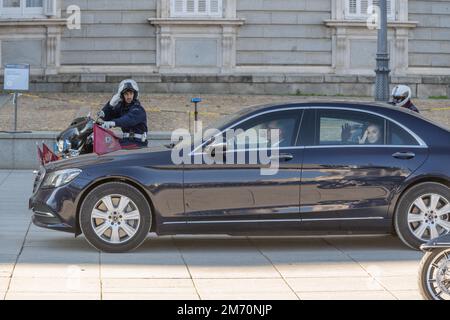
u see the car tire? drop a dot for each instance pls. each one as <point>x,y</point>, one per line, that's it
<point>115,217</point>
<point>430,258</point>
<point>407,212</point>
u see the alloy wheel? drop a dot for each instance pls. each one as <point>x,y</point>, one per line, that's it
<point>115,219</point>
<point>429,217</point>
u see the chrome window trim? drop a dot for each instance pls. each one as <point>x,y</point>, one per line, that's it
<point>326,147</point>
<point>343,219</point>
<point>366,146</point>
<point>421,143</point>
<point>274,220</point>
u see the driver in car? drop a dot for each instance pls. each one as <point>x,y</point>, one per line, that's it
<point>283,129</point>
<point>124,110</point>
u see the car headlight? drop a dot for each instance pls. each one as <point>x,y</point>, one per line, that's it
<point>59,178</point>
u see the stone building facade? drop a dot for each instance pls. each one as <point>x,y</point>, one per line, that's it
<point>226,46</point>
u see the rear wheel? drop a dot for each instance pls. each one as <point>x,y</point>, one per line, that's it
<point>115,217</point>
<point>434,275</point>
<point>423,214</point>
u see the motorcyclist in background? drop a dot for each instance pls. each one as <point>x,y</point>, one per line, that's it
<point>125,111</point>
<point>401,97</point>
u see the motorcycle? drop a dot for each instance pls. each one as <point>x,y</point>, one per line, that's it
<point>77,139</point>
<point>434,270</point>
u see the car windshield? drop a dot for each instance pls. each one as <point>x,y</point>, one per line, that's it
<point>84,111</point>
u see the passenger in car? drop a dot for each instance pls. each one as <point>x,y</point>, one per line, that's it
<point>372,134</point>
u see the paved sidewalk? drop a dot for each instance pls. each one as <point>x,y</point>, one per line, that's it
<point>41,264</point>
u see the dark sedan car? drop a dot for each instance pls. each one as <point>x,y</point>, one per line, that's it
<point>343,168</point>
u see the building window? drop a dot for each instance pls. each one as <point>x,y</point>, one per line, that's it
<point>21,8</point>
<point>361,9</point>
<point>196,8</point>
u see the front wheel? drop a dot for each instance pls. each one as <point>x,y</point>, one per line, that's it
<point>115,217</point>
<point>434,275</point>
<point>423,214</point>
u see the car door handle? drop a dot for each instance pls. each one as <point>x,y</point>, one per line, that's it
<point>404,155</point>
<point>282,157</point>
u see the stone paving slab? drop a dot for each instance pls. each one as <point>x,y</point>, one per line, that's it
<point>213,264</point>
<point>7,262</point>
<point>392,268</point>
<point>151,265</point>
<point>51,285</point>
<point>4,283</point>
<point>407,295</point>
<point>321,269</point>
<point>337,284</point>
<point>61,270</point>
<point>149,296</point>
<point>400,283</point>
<point>348,295</point>
<point>244,289</point>
<point>53,296</point>
<point>149,286</point>
<point>239,296</point>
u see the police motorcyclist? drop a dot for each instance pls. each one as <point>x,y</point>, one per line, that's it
<point>125,111</point>
<point>401,97</point>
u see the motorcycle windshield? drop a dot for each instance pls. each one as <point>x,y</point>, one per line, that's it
<point>83,112</point>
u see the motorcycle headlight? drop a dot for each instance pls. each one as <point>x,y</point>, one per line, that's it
<point>60,145</point>
<point>63,145</point>
<point>60,178</point>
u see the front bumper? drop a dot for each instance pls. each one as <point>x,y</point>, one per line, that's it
<point>56,208</point>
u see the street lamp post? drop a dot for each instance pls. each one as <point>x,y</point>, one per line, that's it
<point>382,70</point>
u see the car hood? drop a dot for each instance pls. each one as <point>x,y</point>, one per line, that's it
<point>93,159</point>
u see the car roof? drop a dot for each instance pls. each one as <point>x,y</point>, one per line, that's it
<point>348,104</point>
<point>368,105</point>
<point>323,103</point>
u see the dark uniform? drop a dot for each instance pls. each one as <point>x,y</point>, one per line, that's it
<point>409,105</point>
<point>132,119</point>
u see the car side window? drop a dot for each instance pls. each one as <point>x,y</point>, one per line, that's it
<point>342,127</point>
<point>398,136</point>
<point>264,129</point>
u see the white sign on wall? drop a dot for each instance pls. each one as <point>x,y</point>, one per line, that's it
<point>17,77</point>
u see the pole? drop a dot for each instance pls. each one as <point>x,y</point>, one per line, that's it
<point>16,97</point>
<point>195,101</point>
<point>196,117</point>
<point>382,71</point>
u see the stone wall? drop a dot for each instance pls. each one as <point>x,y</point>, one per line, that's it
<point>429,44</point>
<point>295,84</point>
<point>284,33</point>
<point>114,32</point>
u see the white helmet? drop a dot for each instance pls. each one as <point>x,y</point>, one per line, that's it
<point>401,94</point>
<point>129,84</point>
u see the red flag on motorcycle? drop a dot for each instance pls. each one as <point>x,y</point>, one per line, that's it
<point>105,141</point>
<point>47,155</point>
<point>40,155</point>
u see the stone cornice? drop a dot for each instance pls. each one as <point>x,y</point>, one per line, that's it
<point>196,21</point>
<point>362,23</point>
<point>32,22</point>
